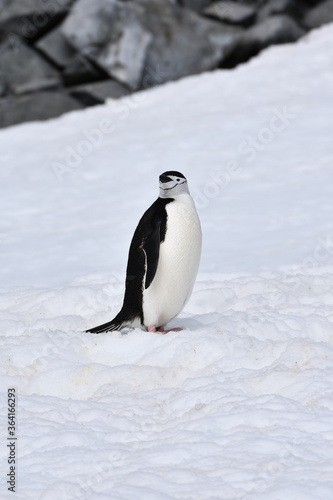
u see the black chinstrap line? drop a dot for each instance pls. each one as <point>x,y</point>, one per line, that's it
<point>168,189</point>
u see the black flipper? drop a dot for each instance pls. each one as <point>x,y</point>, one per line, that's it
<point>152,252</point>
<point>143,258</point>
<point>148,236</point>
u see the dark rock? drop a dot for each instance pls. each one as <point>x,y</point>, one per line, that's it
<point>232,12</point>
<point>183,43</point>
<point>273,30</point>
<point>196,5</point>
<point>75,68</point>
<point>37,106</point>
<point>97,93</point>
<point>12,9</point>
<point>56,48</point>
<point>293,8</point>
<point>139,43</point>
<point>3,87</point>
<point>30,18</point>
<point>321,14</point>
<point>24,70</point>
<point>109,33</point>
<point>81,70</point>
<point>311,3</point>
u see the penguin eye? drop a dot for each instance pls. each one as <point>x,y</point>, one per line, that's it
<point>178,180</point>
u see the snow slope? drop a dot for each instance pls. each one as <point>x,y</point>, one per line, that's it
<point>239,404</point>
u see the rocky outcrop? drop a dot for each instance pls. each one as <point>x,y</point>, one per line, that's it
<point>23,70</point>
<point>29,19</point>
<point>146,43</point>
<point>81,70</point>
<point>37,106</point>
<point>232,12</point>
<point>196,5</point>
<point>99,92</point>
<point>61,55</point>
<point>320,14</point>
<point>75,67</point>
<point>183,43</point>
<point>56,48</point>
<point>273,30</point>
<point>292,8</point>
<point>110,33</point>
<point>3,87</point>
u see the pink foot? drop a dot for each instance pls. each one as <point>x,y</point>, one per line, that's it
<point>161,330</point>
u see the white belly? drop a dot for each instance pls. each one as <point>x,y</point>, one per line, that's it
<point>177,266</point>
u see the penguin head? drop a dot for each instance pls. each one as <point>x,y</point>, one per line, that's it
<point>172,183</point>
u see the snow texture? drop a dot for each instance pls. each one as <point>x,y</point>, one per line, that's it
<point>237,405</point>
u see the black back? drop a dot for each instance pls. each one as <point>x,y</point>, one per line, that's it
<point>144,251</point>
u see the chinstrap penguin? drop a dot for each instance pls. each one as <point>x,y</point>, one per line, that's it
<point>163,260</point>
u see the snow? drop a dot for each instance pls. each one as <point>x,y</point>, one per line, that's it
<point>237,405</point>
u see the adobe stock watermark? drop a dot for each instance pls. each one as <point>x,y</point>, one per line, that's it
<point>322,253</point>
<point>261,311</point>
<point>73,156</point>
<point>102,473</point>
<point>291,285</point>
<point>93,138</point>
<point>30,25</point>
<point>247,150</point>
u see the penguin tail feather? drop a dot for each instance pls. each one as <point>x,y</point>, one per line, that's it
<point>111,326</point>
<point>119,322</point>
